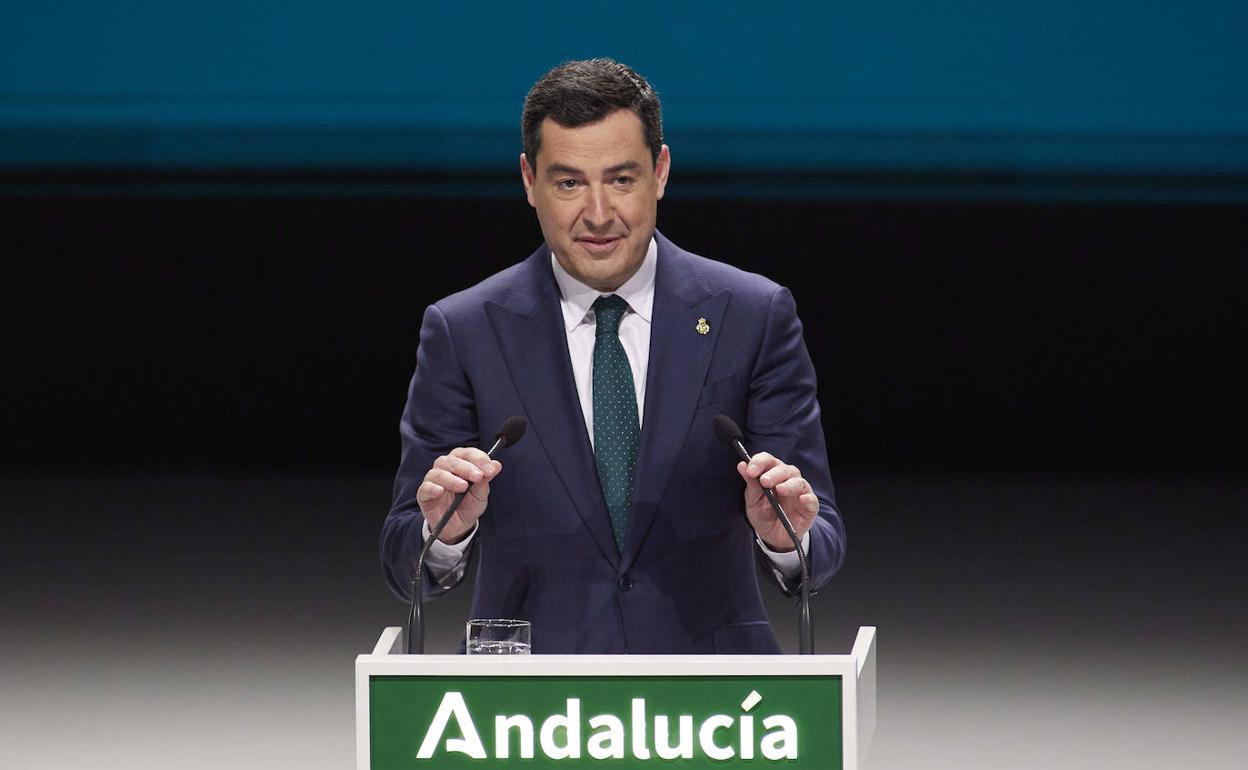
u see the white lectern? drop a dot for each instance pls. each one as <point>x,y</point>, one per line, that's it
<point>613,711</point>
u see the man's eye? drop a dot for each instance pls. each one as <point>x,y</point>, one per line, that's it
<point>566,184</point>
<point>623,181</point>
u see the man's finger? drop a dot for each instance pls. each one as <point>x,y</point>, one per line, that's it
<point>761,462</point>
<point>779,474</point>
<point>447,479</point>
<point>459,466</point>
<point>472,455</point>
<point>792,486</point>
<point>429,491</point>
<point>751,482</point>
<point>811,502</point>
<point>480,492</point>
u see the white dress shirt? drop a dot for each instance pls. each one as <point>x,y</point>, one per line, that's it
<point>576,301</point>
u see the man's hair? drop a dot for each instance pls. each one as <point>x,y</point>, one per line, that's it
<point>578,93</point>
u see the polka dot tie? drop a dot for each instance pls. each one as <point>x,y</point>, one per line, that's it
<point>616,426</point>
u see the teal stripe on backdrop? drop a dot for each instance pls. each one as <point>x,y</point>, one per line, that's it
<point>886,87</point>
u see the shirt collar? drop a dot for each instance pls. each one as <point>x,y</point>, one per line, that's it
<point>638,291</point>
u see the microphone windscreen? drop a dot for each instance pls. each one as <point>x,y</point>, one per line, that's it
<point>512,429</point>
<point>727,430</point>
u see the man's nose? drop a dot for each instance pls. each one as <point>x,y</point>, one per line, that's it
<point>598,210</point>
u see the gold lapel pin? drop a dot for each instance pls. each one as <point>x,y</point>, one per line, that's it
<point>703,327</point>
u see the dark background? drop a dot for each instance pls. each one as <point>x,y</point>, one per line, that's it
<point>259,331</point>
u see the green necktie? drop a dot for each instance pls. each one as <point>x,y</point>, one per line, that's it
<point>616,426</point>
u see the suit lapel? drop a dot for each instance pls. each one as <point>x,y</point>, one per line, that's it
<point>679,358</point>
<point>531,335</point>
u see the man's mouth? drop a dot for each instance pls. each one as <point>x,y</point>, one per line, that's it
<point>599,244</point>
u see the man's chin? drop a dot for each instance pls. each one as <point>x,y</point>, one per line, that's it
<point>603,274</point>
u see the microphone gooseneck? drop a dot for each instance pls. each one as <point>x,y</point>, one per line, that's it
<point>507,435</point>
<point>729,435</point>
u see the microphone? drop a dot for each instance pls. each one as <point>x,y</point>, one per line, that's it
<point>511,431</point>
<point>730,436</point>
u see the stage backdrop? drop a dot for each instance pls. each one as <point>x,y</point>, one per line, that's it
<point>1150,96</point>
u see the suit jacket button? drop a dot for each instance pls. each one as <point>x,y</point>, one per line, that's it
<point>625,583</point>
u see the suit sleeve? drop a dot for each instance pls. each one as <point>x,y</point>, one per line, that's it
<point>783,418</point>
<point>440,415</point>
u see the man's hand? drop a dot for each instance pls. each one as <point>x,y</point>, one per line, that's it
<point>451,474</point>
<point>795,494</point>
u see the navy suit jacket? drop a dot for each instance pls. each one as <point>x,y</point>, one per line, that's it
<point>685,580</point>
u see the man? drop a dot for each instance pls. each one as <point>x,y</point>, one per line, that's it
<point>619,523</point>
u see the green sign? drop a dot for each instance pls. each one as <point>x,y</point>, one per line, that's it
<point>599,721</point>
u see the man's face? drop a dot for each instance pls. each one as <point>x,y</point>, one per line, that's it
<point>596,190</point>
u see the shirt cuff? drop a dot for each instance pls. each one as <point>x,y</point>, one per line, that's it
<point>787,564</point>
<point>445,561</point>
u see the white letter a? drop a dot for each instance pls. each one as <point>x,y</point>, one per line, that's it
<point>452,705</point>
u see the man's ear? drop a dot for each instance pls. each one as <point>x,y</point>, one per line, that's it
<point>526,175</point>
<point>662,167</point>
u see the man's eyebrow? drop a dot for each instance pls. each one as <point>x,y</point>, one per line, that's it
<point>557,168</point>
<point>630,165</point>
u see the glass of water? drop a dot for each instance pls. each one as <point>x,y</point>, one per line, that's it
<point>497,636</point>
